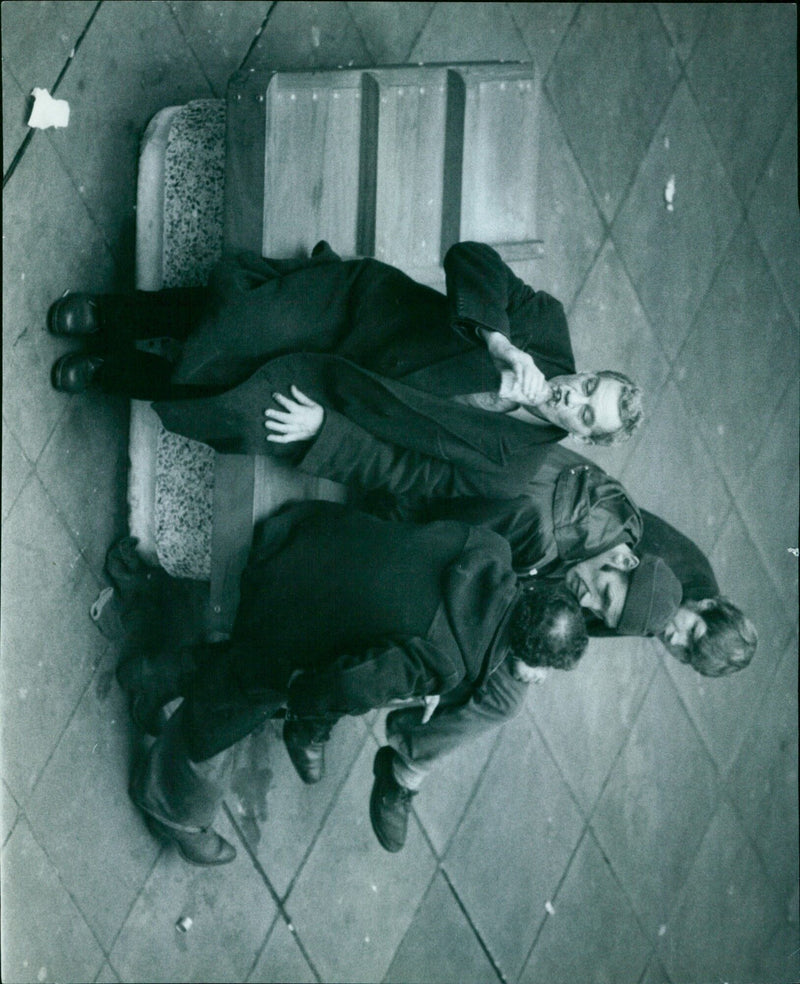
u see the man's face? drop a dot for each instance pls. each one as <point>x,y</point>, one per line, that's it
<point>584,404</point>
<point>601,583</point>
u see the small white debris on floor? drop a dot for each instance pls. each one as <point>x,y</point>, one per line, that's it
<point>184,925</point>
<point>47,111</point>
<point>550,910</point>
<point>669,193</point>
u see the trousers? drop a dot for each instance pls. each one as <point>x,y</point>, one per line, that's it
<point>186,795</point>
<point>459,719</point>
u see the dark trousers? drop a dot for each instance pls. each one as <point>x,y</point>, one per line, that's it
<point>176,790</point>
<point>130,318</point>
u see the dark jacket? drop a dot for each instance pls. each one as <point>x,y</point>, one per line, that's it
<point>373,610</point>
<point>377,349</point>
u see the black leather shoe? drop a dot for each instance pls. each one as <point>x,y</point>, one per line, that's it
<point>389,803</point>
<point>305,742</point>
<point>205,848</point>
<point>74,314</point>
<point>75,373</point>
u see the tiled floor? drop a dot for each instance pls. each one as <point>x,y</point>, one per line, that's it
<point>638,823</point>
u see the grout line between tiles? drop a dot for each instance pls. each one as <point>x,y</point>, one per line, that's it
<point>259,32</point>
<point>324,819</point>
<point>567,30</point>
<point>198,62</point>
<point>282,912</point>
<point>501,976</point>
<point>29,135</point>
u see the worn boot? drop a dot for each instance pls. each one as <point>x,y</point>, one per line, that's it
<point>389,803</point>
<point>204,848</point>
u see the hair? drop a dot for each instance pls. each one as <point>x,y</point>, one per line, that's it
<point>729,642</point>
<point>630,410</point>
<point>547,628</point>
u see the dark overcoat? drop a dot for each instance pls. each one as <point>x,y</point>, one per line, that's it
<point>381,352</point>
<point>375,610</point>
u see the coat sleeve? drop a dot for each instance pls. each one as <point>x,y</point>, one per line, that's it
<point>347,453</point>
<point>355,684</point>
<point>483,292</point>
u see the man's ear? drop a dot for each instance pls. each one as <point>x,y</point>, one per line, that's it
<point>623,558</point>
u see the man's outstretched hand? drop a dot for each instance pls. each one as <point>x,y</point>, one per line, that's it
<point>520,378</point>
<point>300,419</point>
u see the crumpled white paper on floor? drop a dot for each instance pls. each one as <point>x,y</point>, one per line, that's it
<point>47,111</point>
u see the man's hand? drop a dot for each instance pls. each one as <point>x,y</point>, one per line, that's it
<point>300,420</point>
<point>520,378</point>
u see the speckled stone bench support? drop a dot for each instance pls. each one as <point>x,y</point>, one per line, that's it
<point>178,240</point>
<point>177,487</point>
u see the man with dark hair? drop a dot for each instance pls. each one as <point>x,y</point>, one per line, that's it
<point>341,612</point>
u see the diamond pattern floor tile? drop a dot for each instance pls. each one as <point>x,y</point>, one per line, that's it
<point>585,715</point>
<point>444,797</point>
<point>82,817</point>
<point>219,34</point>
<point>656,806</point>
<point>744,336</point>
<point>292,813</point>
<point>672,255</point>
<point>744,580</point>
<point>84,467</point>
<point>231,912</point>
<point>390,30</point>
<point>669,451</point>
<point>746,49</point>
<point>727,912</point>
<point>772,519</point>
<point>50,645</point>
<point>43,36</point>
<point>762,783</point>
<point>470,32</point>
<point>567,219</point>
<point>440,946</point>
<point>543,26</point>
<point>612,947</point>
<point>353,902</point>
<point>610,96</point>
<point>281,960</point>
<point>609,328</point>
<point>16,470</point>
<point>151,54</point>
<point>684,22</point>
<point>309,35</point>
<point>49,244</point>
<point>773,214</point>
<point>523,795</point>
<point>722,708</point>
<point>44,935</point>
